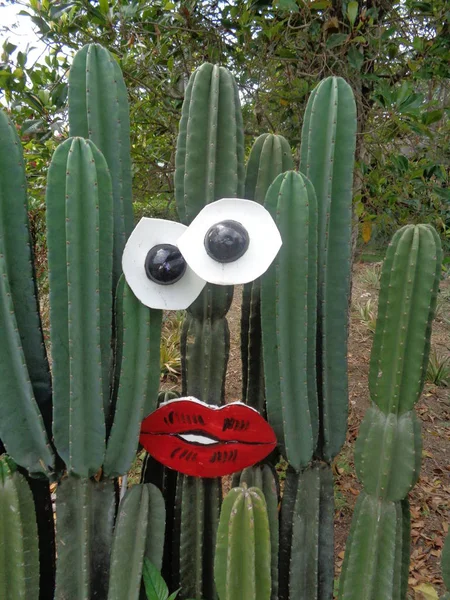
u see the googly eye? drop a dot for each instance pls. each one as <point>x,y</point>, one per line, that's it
<point>230,241</point>
<point>155,269</point>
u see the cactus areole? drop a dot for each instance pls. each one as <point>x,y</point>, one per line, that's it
<point>206,441</point>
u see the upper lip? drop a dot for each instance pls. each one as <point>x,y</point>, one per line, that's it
<point>246,426</point>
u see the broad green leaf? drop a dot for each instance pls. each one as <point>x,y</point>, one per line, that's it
<point>336,39</point>
<point>104,6</point>
<point>355,58</point>
<point>155,586</point>
<point>352,12</point>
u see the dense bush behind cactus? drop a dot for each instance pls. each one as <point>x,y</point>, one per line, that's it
<point>105,351</point>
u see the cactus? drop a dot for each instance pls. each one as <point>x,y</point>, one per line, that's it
<point>242,562</point>
<point>327,158</point>
<point>98,110</point>
<point>269,156</point>
<point>84,527</point>
<point>19,566</point>
<point>139,533</point>
<point>290,286</point>
<point>265,478</point>
<point>24,373</point>
<point>79,228</point>
<point>388,450</point>
<point>306,548</point>
<point>209,165</point>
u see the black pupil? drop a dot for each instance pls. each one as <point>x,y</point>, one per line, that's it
<point>226,241</point>
<point>164,264</point>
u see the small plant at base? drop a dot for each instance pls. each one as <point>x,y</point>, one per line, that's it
<point>170,356</point>
<point>438,371</point>
<point>155,586</point>
<point>371,276</point>
<point>368,314</point>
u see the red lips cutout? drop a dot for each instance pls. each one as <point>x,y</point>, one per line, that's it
<point>206,441</point>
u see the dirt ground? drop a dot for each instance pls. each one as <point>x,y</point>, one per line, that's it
<point>430,499</point>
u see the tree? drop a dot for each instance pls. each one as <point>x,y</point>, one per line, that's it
<point>395,54</point>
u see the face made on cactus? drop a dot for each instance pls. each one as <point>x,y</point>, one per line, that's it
<point>197,439</point>
<point>231,241</point>
<point>155,269</point>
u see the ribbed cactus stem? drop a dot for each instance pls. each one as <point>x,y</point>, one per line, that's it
<point>265,478</point>
<point>288,302</point>
<point>388,450</point>
<point>139,533</point>
<point>19,553</point>
<point>15,244</point>
<point>25,387</point>
<point>98,110</point>
<point>139,381</point>
<point>269,157</point>
<point>327,159</point>
<point>79,235</point>
<point>242,563</point>
<point>85,513</point>
<point>209,165</point>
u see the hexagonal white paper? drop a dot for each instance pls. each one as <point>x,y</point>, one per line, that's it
<point>175,296</point>
<point>264,241</point>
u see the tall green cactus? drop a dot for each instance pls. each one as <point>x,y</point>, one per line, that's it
<point>98,110</point>
<point>19,553</point>
<point>82,224</point>
<point>25,387</point>
<point>209,165</point>
<point>269,156</point>
<point>79,236</point>
<point>327,159</point>
<point>242,562</point>
<point>288,299</point>
<point>388,449</point>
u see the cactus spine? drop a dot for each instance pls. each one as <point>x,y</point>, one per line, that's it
<point>209,165</point>
<point>242,562</point>
<point>269,156</point>
<point>388,450</point>
<point>19,564</point>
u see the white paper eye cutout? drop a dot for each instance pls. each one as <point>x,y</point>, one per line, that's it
<point>264,241</point>
<point>147,234</point>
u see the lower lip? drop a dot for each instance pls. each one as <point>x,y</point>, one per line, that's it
<point>211,460</point>
<point>234,450</point>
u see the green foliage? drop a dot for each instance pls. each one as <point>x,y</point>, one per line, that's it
<point>155,586</point>
<point>394,54</point>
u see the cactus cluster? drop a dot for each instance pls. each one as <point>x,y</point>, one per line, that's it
<point>389,447</point>
<point>80,425</point>
<point>84,421</point>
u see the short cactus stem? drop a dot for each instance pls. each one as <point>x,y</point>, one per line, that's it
<point>242,561</point>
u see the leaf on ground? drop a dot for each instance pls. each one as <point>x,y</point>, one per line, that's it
<point>425,591</point>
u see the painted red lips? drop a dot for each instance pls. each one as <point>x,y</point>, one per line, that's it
<point>206,441</point>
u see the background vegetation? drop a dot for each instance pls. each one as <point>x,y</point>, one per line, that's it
<point>396,55</point>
